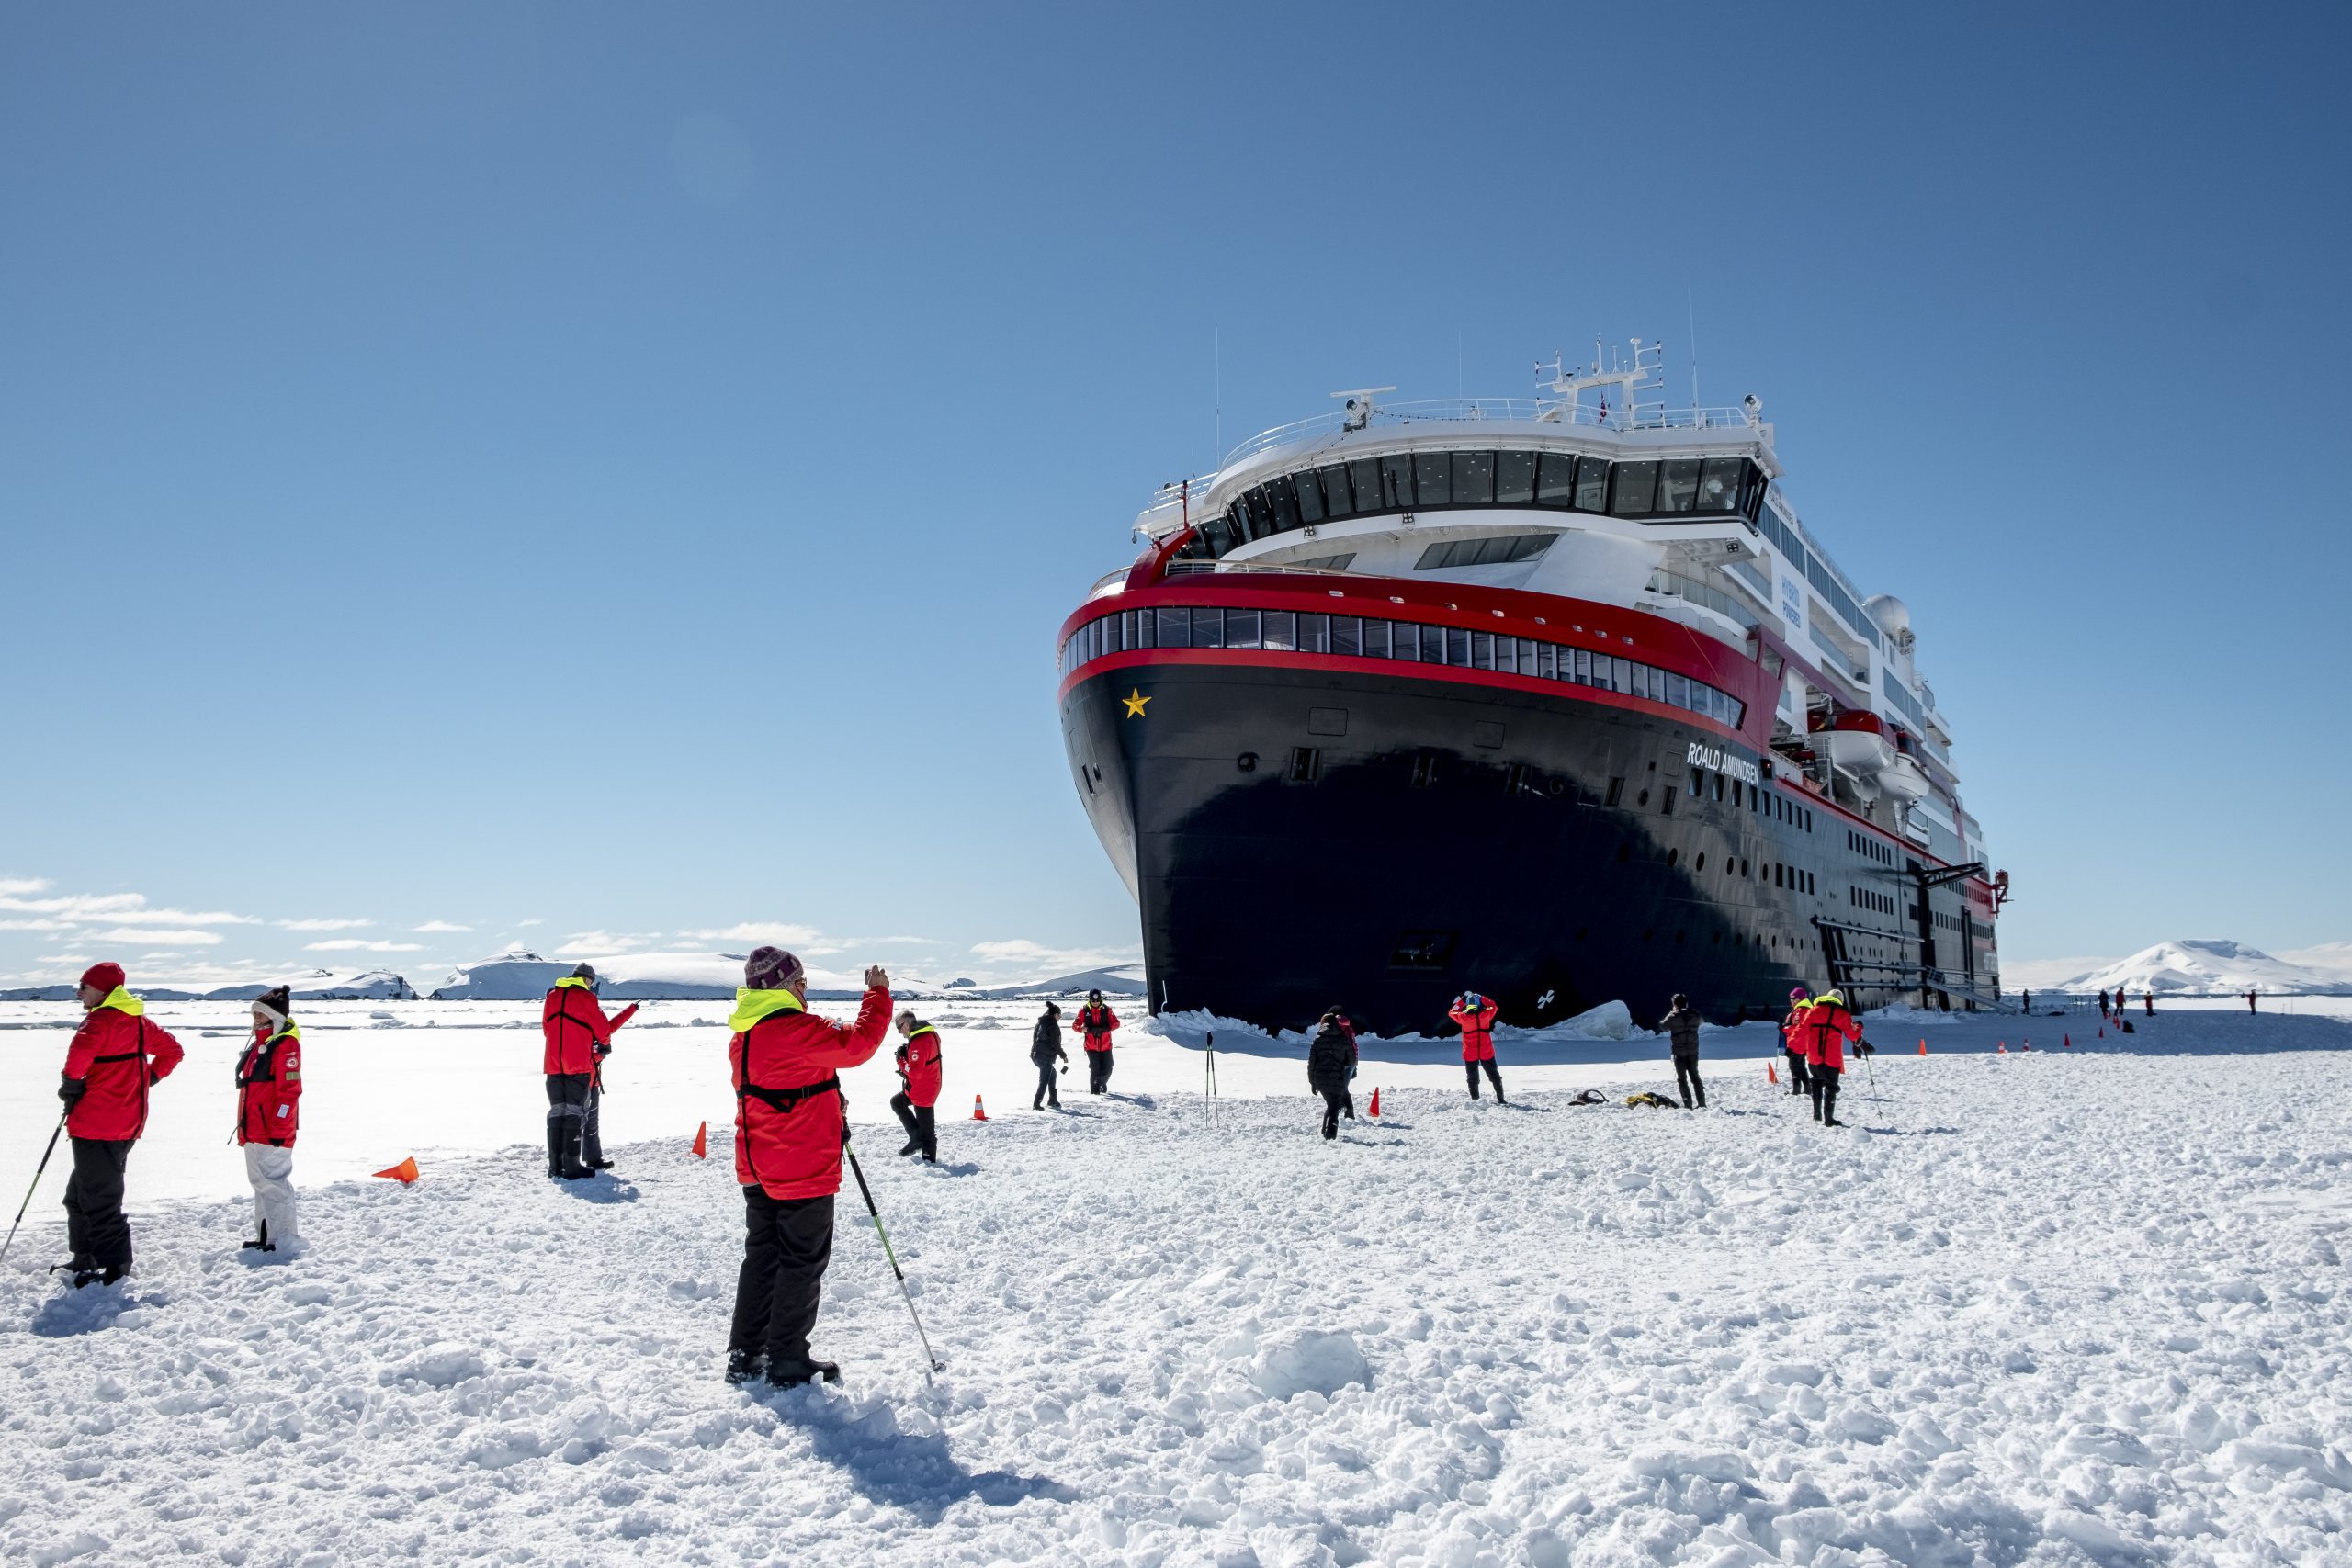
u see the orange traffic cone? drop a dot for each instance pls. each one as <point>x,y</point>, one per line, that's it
<point>2066,1043</point>
<point>979,1114</point>
<point>1376,1104</point>
<point>1923,1047</point>
<point>1771,1073</point>
<point>702,1141</point>
<point>403,1173</point>
<point>2102,1032</point>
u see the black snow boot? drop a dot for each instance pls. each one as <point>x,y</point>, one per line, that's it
<point>792,1374</point>
<point>567,1153</point>
<point>914,1146</point>
<point>555,1149</point>
<point>744,1366</point>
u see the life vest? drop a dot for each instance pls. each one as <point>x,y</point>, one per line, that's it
<point>919,1066</point>
<point>1095,1021</point>
<point>269,1087</point>
<point>118,1054</point>
<point>784,1064</point>
<point>1477,1028</point>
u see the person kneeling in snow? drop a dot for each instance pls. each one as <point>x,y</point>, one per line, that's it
<point>1475,1015</point>
<point>1330,1063</point>
<point>270,1094</point>
<point>1682,1027</point>
<point>116,1057</point>
<point>789,1128</point>
<point>919,1077</point>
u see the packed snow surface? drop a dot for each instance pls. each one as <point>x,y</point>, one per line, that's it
<point>2073,1305</point>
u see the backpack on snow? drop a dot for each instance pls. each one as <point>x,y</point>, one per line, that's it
<point>1590,1097</point>
<point>1647,1099</point>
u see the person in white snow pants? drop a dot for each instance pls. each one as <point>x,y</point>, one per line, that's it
<point>269,1098</point>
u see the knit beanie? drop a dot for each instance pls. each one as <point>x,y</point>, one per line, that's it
<point>277,1002</point>
<point>105,977</point>
<point>770,969</point>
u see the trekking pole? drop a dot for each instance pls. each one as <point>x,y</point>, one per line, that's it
<point>932,1364</point>
<point>1208,1064</point>
<point>28,1203</point>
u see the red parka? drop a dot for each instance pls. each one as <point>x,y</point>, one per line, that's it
<point>784,1063</point>
<point>1793,1029</point>
<point>1095,1021</point>
<point>919,1066</point>
<point>269,1087</point>
<point>1827,1028</point>
<point>576,1028</point>
<point>118,1055</point>
<point>1477,1028</point>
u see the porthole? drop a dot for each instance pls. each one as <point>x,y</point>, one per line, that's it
<point>1700,864</point>
<point>1672,856</point>
<point>1247,761</point>
<point>1642,798</point>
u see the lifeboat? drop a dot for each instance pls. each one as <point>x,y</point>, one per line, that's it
<point>1856,742</point>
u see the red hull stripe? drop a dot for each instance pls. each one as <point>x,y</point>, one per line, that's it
<point>1544,617</point>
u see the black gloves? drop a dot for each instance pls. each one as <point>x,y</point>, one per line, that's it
<point>71,1090</point>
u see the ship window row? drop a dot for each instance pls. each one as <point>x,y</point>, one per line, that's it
<point>1670,488</point>
<point>1866,899</point>
<point>1356,636</point>
<point>1815,570</point>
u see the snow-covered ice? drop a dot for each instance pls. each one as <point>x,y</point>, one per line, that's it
<point>2074,1305</point>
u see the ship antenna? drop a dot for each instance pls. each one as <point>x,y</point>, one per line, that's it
<point>1690,307</point>
<point>1216,405</point>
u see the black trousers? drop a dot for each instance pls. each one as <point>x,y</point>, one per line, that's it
<point>1686,1081</point>
<point>94,1228</point>
<point>922,1128</point>
<point>1048,1091</point>
<point>786,1243</point>
<point>1799,1075</point>
<point>1494,1074</point>
<point>591,1124</point>
<point>1334,1101</point>
<point>1098,1071</point>
<point>1824,1092</point>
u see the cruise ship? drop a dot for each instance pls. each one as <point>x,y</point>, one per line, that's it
<point>1557,699</point>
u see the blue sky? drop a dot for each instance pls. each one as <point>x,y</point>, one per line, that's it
<point>559,471</point>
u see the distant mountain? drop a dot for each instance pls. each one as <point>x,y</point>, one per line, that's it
<point>1120,980</point>
<point>307,985</point>
<point>2209,968</point>
<point>517,974</point>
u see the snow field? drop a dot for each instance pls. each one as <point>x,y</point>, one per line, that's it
<point>2059,1308</point>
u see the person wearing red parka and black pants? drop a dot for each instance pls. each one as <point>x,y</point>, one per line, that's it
<point>116,1057</point>
<point>1095,1023</point>
<point>579,1038</point>
<point>1475,1016</point>
<point>790,1124</point>
<point>920,1072</point>
<point>269,1096</point>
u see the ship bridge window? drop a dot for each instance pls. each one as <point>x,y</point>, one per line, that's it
<point>1449,480</point>
<point>1514,477</point>
<point>1634,489</point>
<point>1474,479</point>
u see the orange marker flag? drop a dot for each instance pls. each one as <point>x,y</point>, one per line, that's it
<point>1375,1100</point>
<point>403,1173</point>
<point>702,1141</point>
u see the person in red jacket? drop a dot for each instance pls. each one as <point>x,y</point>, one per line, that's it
<point>1792,1039</point>
<point>920,1073</point>
<point>790,1124</point>
<point>269,1096</point>
<point>1475,1015</point>
<point>579,1038</point>
<point>116,1057</point>
<point>1095,1021</point>
<point>1827,1028</point>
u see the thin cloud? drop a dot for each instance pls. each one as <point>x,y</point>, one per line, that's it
<point>323,925</point>
<point>756,931</point>
<point>354,944</point>
<point>163,937</point>
<point>1036,954</point>
<point>117,909</point>
<point>16,886</point>
<point>41,923</point>
<point>534,920</point>
<point>440,926</point>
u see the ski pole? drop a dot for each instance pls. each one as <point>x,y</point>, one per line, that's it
<point>28,1203</point>
<point>934,1364</point>
<point>1209,1067</point>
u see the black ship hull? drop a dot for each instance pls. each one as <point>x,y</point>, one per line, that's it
<point>1304,832</point>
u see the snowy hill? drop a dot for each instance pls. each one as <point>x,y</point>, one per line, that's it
<point>516,976</point>
<point>1123,980</point>
<point>307,985</point>
<point>2209,968</point>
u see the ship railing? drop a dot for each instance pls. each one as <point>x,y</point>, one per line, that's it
<point>1524,411</point>
<point>1270,569</point>
<point>1674,585</point>
<point>1110,582</point>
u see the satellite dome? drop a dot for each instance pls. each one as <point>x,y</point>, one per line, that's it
<point>1892,615</point>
